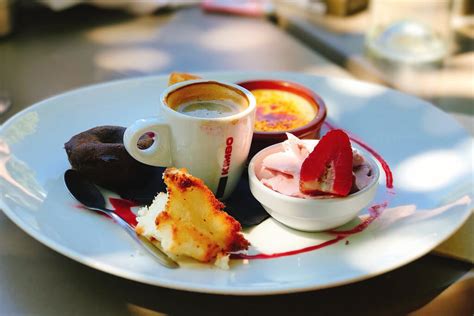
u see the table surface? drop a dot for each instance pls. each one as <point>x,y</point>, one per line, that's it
<point>53,52</point>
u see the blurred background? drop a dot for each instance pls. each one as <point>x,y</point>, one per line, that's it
<point>422,47</point>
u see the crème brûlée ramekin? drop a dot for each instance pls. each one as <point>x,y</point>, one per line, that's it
<point>314,214</point>
<point>294,95</point>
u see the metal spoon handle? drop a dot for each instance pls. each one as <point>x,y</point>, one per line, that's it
<point>161,257</point>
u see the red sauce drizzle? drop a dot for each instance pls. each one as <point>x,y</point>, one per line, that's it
<point>374,210</point>
<point>123,208</point>
<point>287,253</point>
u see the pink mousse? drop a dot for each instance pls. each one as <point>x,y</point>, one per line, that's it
<point>281,171</point>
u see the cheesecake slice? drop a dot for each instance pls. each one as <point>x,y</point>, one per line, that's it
<point>189,221</point>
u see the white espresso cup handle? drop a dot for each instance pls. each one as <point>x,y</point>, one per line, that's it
<point>159,153</point>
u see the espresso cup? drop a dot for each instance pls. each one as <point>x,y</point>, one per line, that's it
<point>202,125</point>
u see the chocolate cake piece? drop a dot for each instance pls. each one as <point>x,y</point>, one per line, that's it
<point>100,155</point>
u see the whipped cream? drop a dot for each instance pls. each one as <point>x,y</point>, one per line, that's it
<point>281,171</point>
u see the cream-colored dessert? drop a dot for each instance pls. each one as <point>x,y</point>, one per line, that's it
<point>279,111</point>
<point>189,221</point>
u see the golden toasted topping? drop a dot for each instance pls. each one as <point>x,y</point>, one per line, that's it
<point>281,110</point>
<point>193,222</point>
<point>176,77</point>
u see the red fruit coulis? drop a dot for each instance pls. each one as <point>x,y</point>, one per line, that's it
<point>124,209</point>
<point>374,211</point>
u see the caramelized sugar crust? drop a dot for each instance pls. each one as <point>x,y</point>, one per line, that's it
<point>176,77</point>
<point>194,223</point>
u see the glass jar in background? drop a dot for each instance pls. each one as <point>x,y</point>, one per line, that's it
<point>410,32</point>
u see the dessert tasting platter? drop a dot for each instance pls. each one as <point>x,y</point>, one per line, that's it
<point>243,183</point>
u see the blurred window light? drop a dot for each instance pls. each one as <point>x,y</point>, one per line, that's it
<point>128,59</point>
<point>431,170</point>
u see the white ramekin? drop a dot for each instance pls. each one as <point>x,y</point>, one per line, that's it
<point>310,214</point>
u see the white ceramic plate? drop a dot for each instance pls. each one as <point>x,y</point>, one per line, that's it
<point>429,153</point>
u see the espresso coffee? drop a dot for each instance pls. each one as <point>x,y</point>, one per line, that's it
<point>204,126</point>
<point>207,100</point>
<point>209,109</point>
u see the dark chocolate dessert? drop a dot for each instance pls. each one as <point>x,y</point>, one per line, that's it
<point>99,155</point>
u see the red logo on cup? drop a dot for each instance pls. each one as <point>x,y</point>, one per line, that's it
<point>228,153</point>
<point>225,167</point>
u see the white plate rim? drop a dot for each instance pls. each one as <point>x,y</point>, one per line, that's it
<point>185,286</point>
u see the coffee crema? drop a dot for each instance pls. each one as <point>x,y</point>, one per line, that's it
<point>209,108</point>
<point>208,100</point>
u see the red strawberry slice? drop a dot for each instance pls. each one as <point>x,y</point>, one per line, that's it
<point>328,168</point>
